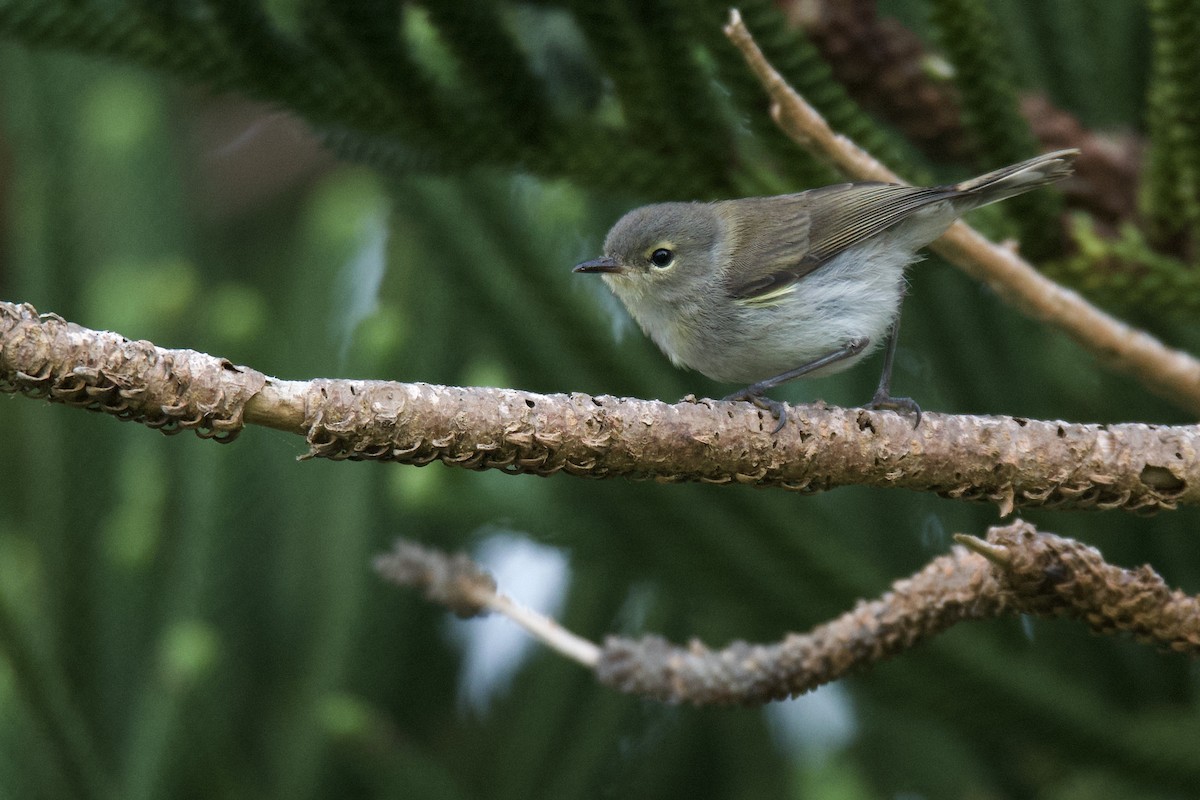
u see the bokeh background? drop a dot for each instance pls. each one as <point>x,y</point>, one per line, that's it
<point>397,190</point>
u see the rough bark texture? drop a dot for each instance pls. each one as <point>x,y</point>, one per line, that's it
<point>1017,570</point>
<point>1008,461</point>
<point>456,582</point>
<point>950,589</point>
<point>1041,574</point>
<point>1011,462</point>
<point>171,390</point>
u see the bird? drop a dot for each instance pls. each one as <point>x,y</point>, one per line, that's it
<point>764,290</point>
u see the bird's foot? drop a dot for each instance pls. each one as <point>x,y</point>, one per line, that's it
<point>775,408</point>
<point>905,405</point>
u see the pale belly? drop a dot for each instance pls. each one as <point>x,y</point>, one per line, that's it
<point>841,303</point>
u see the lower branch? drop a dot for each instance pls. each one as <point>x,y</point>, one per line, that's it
<point>1017,570</point>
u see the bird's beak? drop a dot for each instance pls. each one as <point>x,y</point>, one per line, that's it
<point>602,264</point>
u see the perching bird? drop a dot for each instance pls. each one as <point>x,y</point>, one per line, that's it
<point>764,290</point>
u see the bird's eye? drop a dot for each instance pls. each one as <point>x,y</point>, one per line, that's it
<point>662,257</point>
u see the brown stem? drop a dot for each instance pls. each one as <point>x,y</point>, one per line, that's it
<point>1040,574</point>
<point>1018,570</point>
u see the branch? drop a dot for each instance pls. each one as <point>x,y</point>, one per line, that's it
<point>1008,461</point>
<point>462,586</point>
<point>1171,374</point>
<point>1016,571</point>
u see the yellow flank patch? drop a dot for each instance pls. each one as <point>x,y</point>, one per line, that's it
<point>772,298</point>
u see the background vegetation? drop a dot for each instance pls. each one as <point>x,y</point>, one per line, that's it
<point>398,190</point>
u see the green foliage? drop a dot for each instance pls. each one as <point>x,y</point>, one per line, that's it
<point>1172,193</point>
<point>454,85</point>
<point>984,77</point>
<point>983,74</point>
<point>1126,272</point>
<point>180,619</point>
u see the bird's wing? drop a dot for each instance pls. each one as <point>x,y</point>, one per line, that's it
<point>790,236</point>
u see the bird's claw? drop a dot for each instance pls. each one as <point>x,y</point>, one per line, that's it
<point>775,408</point>
<point>904,405</point>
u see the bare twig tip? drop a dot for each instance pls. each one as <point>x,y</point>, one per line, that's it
<point>997,554</point>
<point>453,581</point>
<point>467,589</point>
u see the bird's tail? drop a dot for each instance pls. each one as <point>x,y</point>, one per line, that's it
<point>1017,178</point>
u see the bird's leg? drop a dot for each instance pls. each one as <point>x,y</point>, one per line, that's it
<point>754,392</point>
<point>883,394</point>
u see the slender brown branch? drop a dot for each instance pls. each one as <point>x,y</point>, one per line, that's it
<point>1018,570</point>
<point>1007,461</point>
<point>464,587</point>
<point>1169,373</point>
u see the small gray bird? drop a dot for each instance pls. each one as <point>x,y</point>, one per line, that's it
<point>764,290</point>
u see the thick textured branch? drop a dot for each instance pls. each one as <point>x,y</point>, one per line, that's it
<point>1038,573</point>
<point>1169,373</point>
<point>1016,571</point>
<point>1011,462</point>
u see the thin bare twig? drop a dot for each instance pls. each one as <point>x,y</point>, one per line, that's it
<point>1169,373</point>
<point>462,586</point>
<point>1018,570</point>
<point>1007,461</point>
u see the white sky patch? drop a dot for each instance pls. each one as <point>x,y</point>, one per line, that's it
<point>813,726</point>
<point>358,281</point>
<point>494,648</point>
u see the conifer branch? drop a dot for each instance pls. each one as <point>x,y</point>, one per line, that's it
<point>1008,461</point>
<point>1016,570</point>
